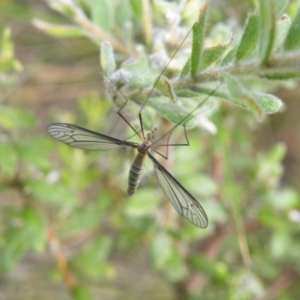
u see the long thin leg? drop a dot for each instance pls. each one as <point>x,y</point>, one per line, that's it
<point>165,67</point>
<point>141,124</point>
<point>187,116</point>
<point>171,145</point>
<point>119,111</point>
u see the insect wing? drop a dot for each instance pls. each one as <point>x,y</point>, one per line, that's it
<point>184,203</point>
<point>79,137</point>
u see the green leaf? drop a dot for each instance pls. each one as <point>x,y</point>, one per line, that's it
<point>14,117</point>
<point>143,203</point>
<point>56,194</point>
<point>268,103</point>
<point>211,55</point>
<point>97,251</point>
<point>239,95</point>
<point>280,5</point>
<point>103,14</point>
<point>292,41</point>
<point>137,8</point>
<point>234,86</point>
<point>13,249</point>
<point>107,58</point>
<point>249,39</point>
<point>282,27</point>
<point>173,112</point>
<point>34,228</point>
<point>245,285</point>
<point>283,75</point>
<point>280,243</point>
<point>269,167</point>
<point>141,74</point>
<point>81,293</point>
<point>67,8</point>
<point>284,199</point>
<point>230,57</point>
<point>186,68</point>
<point>208,266</point>
<point>8,159</point>
<point>161,250</point>
<point>31,149</point>
<point>60,31</point>
<point>198,40</point>
<point>124,17</point>
<point>267,25</point>
<point>175,268</point>
<point>7,57</point>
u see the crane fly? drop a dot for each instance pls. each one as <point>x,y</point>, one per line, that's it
<point>181,199</point>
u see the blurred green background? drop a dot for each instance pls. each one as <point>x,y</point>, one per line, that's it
<point>68,230</point>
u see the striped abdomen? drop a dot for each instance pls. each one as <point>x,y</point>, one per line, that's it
<point>135,173</point>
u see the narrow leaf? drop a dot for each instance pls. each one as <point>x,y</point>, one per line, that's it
<point>283,75</point>
<point>186,68</point>
<point>249,39</point>
<point>198,40</point>
<point>267,26</point>
<point>282,27</point>
<point>229,58</point>
<point>292,41</point>
<point>62,31</point>
<point>107,59</point>
<point>210,55</point>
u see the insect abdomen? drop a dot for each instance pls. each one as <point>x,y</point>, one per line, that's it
<point>135,173</point>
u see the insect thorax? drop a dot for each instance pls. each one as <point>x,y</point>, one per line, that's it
<point>146,144</point>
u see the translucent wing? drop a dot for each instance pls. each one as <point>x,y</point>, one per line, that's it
<point>79,137</point>
<point>185,204</point>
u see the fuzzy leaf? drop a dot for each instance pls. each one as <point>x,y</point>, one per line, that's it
<point>107,59</point>
<point>198,40</point>
<point>282,28</point>
<point>173,112</point>
<point>239,96</point>
<point>186,68</point>
<point>141,75</point>
<point>234,87</point>
<point>269,103</point>
<point>210,55</point>
<point>267,21</point>
<point>292,41</point>
<point>229,58</point>
<point>249,39</point>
